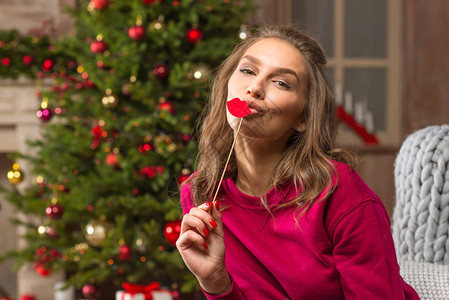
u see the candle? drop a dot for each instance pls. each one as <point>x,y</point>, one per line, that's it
<point>358,107</point>
<point>369,122</point>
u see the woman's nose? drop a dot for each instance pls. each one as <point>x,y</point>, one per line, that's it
<point>255,89</point>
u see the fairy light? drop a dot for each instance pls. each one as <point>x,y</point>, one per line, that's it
<point>44,103</point>
<point>39,179</point>
<point>41,229</point>
<point>198,74</point>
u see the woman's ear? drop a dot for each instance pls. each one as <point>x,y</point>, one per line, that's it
<point>300,126</point>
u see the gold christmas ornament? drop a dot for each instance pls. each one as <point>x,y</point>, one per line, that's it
<point>96,232</point>
<point>15,176</point>
<point>172,147</point>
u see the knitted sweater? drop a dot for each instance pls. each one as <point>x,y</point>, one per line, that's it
<point>341,248</point>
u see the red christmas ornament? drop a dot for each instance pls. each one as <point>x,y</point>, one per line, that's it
<point>44,114</point>
<point>100,4</point>
<point>98,47</point>
<point>136,32</point>
<point>27,60</point>
<point>48,65</point>
<point>181,178</point>
<point>167,106</point>
<point>238,108</point>
<point>6,61</point>
<point>27,297</point>
<point>151,171</point>
<point>172,230</point>
<point>194,35</point>
<point>41,270</point>
<point>54,211</point>
<point>161,71</point>
<point>89,291</point>
<point>145,148</point>
<point>125,252</point>
<point>185,138</point>
<point>148,2</point>
<point>96,132</point>
<point>111,160</point>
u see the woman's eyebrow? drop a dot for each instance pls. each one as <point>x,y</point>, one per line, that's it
<point>255,60</point>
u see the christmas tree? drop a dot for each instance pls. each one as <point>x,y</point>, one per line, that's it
<point>118,139</point>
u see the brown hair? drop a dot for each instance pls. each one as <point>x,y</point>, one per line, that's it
<point>306,158</point>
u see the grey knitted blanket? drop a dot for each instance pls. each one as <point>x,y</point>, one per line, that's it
<point>421,215</point>
<point>430,281</point>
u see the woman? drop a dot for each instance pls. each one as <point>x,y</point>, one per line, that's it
<point>296,221</point>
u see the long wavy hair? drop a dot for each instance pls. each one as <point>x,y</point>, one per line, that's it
<point>306,160</point>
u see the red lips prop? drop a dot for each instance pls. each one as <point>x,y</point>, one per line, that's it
<point>238,108</point>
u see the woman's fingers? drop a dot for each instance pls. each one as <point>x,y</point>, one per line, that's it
<point>203,213</point>
<point>190,222</point>
<point>199,223</point>
<point>188,239</point>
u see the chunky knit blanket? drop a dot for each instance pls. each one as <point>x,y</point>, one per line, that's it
<point>430,281</point>
<point>421,215</point>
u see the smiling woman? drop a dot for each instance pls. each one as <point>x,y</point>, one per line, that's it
<point>297,222</point>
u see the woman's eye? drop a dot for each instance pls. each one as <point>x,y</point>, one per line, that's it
<point>283,84</point>
<point>247,71</point>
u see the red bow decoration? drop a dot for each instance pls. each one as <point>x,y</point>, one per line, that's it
<point>133,289</point>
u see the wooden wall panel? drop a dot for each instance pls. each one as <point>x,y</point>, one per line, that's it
<point>426,63</point>
<point>376,166</point>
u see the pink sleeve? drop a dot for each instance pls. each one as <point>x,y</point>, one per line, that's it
<point>365,257</point>
<point>186,198</point>
<point>234,294</point>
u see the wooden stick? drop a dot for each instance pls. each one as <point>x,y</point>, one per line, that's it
<point>226,165</point>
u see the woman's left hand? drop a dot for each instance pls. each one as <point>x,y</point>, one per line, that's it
<point>201,245</point>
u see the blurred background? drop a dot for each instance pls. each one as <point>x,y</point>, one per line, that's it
<point>387,62</point>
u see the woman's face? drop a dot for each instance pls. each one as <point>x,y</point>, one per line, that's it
<point>271,77</point>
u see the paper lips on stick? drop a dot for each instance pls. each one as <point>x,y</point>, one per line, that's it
<point>238,108</point>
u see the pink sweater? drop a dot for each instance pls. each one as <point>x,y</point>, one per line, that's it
<point>342,248</point>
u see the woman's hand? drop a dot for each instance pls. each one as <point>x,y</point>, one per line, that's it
<point>201,244</point>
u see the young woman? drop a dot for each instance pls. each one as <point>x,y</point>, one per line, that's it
<point>296,222</point>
